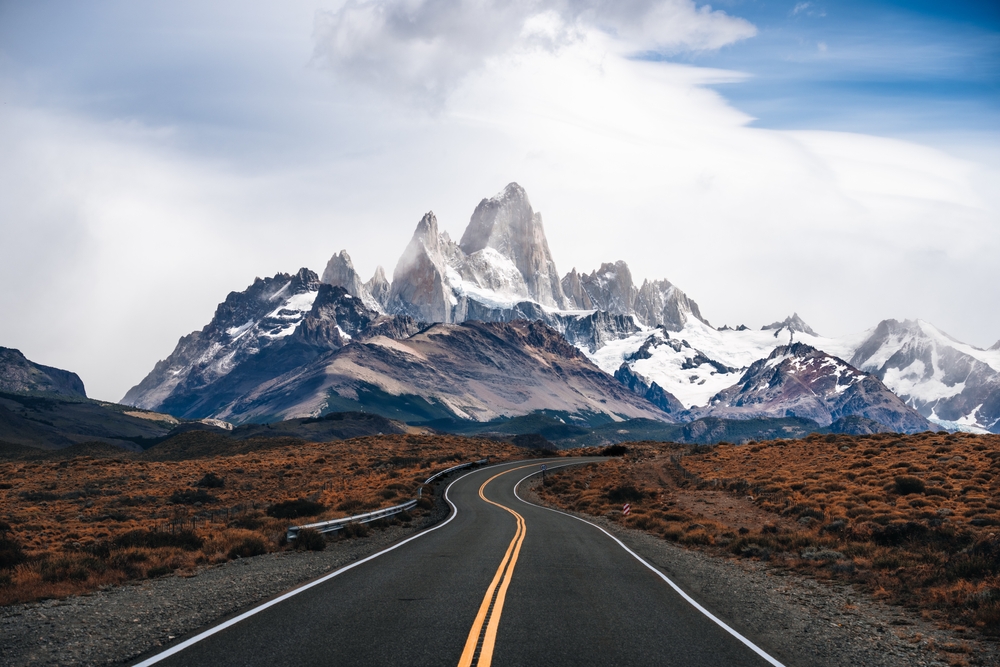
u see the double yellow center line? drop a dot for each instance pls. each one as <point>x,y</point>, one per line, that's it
<point>483,635</point>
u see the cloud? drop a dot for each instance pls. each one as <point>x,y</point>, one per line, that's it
<point>426,47</point>
<point>807,9</point>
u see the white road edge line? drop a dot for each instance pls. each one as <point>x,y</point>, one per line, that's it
<point>270,603</point>
<point>753,647</point>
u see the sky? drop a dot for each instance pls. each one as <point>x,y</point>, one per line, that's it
<point>839,160</point>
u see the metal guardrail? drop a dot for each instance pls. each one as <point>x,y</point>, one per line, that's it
<point>338,524</point>
<point>452,469</point>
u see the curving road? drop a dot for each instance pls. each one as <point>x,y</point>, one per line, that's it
<point>500,582</point>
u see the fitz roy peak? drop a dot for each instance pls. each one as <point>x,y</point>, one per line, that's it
<point>502,269</point>
<point>502,260</point>
<point>507,225</point>
<point>299,345</point>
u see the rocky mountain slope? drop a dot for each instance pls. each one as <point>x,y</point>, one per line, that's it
<point>798,380</point>
<point>953,384</point>
<point>291,346</point>
<point>476,371</point>
<point>18,374</point>
<point>274,327</point>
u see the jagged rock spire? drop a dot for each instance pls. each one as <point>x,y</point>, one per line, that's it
<point>508,224</point>
<point>379,287</point>
<point>576,295</point>
<point>419,287</point>
<point>340,273</point>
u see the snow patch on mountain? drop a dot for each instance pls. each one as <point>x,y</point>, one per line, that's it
<point>286,318</point>
<point>919,383</point>
<point>801,381</point>
<point>967,423</point>
<point>672,363</point>
<point>269,310</point>
<point>699,361</point>
<point>487,277</point>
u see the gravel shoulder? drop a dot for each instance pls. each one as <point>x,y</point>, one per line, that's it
<point>798,620</point>
<point>123,623</point>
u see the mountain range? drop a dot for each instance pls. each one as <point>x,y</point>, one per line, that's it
<point>486,328</point>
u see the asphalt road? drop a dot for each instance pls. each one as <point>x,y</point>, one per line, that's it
<point>501,582</point>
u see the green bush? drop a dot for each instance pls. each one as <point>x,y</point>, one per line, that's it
<point>248,521</point>
<point>159,571</point>
<point>355,530</point>
<point>190,497</point>
<point>349,505</point>
<point>70,569</point>
<point>626,493</point>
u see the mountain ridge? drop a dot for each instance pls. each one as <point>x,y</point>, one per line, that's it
<point>653,338</point>
<point>19,374</point>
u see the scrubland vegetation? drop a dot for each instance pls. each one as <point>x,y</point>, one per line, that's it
<point>77,524</point>
<point>912,519</point>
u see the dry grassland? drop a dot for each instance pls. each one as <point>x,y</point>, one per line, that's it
<point>70,526</point>
<point>911,519</point>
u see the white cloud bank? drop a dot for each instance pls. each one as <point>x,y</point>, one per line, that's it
<point>116,244</point>
<point>429,46</point>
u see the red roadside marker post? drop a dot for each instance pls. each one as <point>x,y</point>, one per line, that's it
<point>626,509</point>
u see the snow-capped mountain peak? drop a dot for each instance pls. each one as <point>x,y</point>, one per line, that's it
<point>953,384</point>
<point>508,225</point>
<point>502,269</point>
<point>791,323</point>
<point>270,310</point>
<point>801,381</point>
